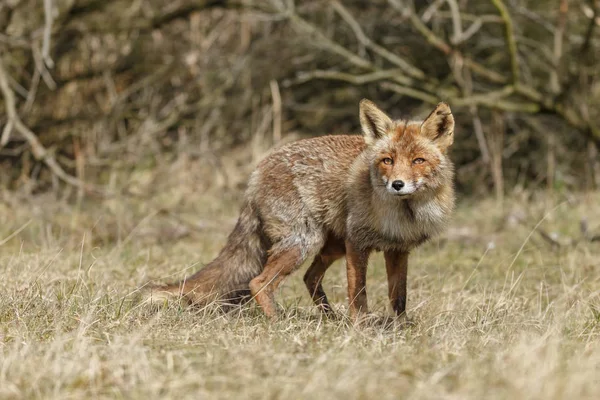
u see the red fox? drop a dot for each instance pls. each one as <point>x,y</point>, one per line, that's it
<point>332,196</point>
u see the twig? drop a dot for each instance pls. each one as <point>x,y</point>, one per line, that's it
<point>456,21</point>
<point>40,71</point>
<point>464,78</point>
<point>485,19</point>
<point>478,127</point>
<point>558,45</point>
<point>459,36</point>
<point>510,40</point>
<point>307,76</point>
<point>41,66</point>
<point>551,162</point>
<point>47,34</point>
<point>491,98</point>
<point>15,233</point>
<point>276,97</point>
<point>35,81</point>
<point>407,91</point>
<point>6,133</point>
<point>532,16</point>
<point>589,33</point>
<point>469,32</point>
<point>431,10</point>
<point>16,86</point>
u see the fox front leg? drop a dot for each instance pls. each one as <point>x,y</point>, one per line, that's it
<point>396,264</point>
<point>357,260</point>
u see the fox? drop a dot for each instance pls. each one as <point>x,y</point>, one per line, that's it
<point>388,190</point>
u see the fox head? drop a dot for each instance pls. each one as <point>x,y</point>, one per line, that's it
<point>407,158</point>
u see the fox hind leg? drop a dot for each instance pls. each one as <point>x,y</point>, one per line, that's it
<point>333,250</point>
<point>282,261</point>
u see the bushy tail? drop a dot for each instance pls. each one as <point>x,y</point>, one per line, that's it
<point>226,278</point>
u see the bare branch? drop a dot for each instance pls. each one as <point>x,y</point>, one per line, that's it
<point>6,133</point>
<point>410,92</point>
<point>39,151</point>
<point>485,19</point>
<point>368,43</point>
<point>41,66</point>
<point>431,10</point>
<point>481,142</point>
<point>456,21</point>
<point>47,33</point>
<point>510,39</point>
<point>471,30</point>
<point>465,80</point>
<point>324,42</point>
<point>40,71</point>
<point>307,76</point>
<point>496,99</point>
<point>460,36</point>
<point>276,97</point>
<point>427,33</point>
<point>35,81</point>
<point>558,46</point>
<point>444,47</point>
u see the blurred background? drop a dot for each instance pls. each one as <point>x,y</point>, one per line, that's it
<point>102,97</point>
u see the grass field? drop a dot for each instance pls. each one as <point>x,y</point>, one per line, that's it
<point>505,305</point>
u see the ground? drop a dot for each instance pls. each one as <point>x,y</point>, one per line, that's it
<point>504,305</point>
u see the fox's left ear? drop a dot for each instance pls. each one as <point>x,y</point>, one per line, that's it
<point>439,126</point>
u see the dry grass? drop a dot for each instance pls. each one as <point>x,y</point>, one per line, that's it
<point>495,310</point>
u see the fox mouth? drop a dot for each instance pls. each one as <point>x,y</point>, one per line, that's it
<point>402,195</point>
<point>406,191</point>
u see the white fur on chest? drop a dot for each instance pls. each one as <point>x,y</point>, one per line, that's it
<point>407,223</point>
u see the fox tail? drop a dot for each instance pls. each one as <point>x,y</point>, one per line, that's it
<point>226,278</point>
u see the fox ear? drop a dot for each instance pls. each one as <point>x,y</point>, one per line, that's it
<point>374,122</point>
<point>439,126</point>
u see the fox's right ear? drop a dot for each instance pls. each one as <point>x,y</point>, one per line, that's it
<point>374,122</point>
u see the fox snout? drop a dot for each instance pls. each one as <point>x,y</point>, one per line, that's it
<point>400,187</point>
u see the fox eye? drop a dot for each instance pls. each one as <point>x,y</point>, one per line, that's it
<point>387,161</point>
<point>418,160</point>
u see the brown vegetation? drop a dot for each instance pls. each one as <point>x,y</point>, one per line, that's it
<point>92,88</point>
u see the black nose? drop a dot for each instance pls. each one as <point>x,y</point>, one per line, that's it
<point>397,185</point>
